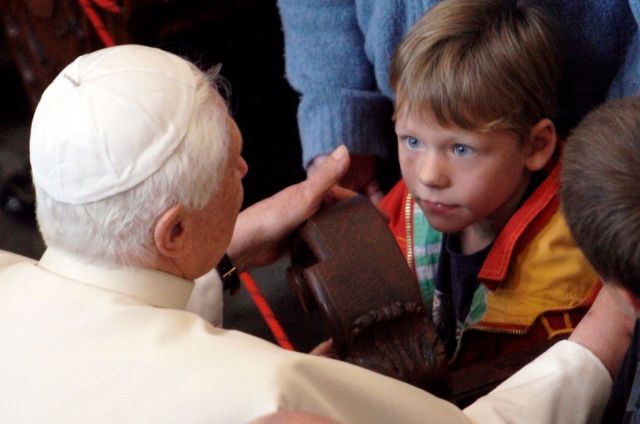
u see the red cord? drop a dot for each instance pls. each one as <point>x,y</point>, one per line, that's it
<point>97,23</point>
<point>108,5</point>
<point>265,310</point>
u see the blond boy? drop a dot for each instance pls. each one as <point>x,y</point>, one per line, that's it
<point>475,84</point>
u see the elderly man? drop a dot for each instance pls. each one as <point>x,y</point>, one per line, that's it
<point>137,169</point>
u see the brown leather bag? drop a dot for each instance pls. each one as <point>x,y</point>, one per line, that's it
<point>345,262</point>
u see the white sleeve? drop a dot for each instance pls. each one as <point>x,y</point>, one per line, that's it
<point>8,258</point>
<point>351,394</point>
<point>566,384</point>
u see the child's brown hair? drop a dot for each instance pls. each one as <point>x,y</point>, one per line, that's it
<point>479,65</point>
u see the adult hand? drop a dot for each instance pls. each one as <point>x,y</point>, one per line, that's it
<point>360,177</point>
<point>324,349</point>
<point>261,230</point>
<point>606,329</point>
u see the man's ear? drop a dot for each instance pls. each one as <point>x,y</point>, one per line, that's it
<point>541,144</point>
<point>169,233</point>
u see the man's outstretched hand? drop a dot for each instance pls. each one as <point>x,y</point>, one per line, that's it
<point>361,175</point>
<point>261,230</point>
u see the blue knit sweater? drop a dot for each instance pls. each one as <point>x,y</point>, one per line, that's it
<point>338,54</point>
<point>627,82</point>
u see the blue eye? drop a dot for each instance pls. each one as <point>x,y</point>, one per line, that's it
<point>462,150</point>
<point>412,142</point>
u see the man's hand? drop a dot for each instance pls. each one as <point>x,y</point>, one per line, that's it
<point>360,177</point>
<point>606,330</point>
<point>261,230</point>
<point>324,349</point>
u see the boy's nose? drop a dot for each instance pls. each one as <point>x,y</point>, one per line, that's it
<point>433,171</point>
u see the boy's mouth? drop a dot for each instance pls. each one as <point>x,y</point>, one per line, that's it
<point>436,207</point>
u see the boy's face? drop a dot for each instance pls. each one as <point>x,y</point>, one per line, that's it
<point>458,177</point>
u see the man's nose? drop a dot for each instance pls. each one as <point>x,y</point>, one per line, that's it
<point>433,170</point>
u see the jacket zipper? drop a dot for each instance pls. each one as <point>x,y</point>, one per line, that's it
<point>408,217</point>
<point>486,328</point>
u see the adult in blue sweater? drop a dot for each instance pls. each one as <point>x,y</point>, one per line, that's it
<point>627,83</point>
<point>338,53</point>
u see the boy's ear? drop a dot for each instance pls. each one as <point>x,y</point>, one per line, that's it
<point>541,144</point>
<point>169,234</point>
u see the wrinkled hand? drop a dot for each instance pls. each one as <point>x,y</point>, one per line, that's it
<point>261,230</point>
<point>360,177</point>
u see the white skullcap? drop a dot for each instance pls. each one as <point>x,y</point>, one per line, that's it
<point>110,120</point>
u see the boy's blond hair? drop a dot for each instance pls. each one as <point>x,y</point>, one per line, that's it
<point>479,65</point>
